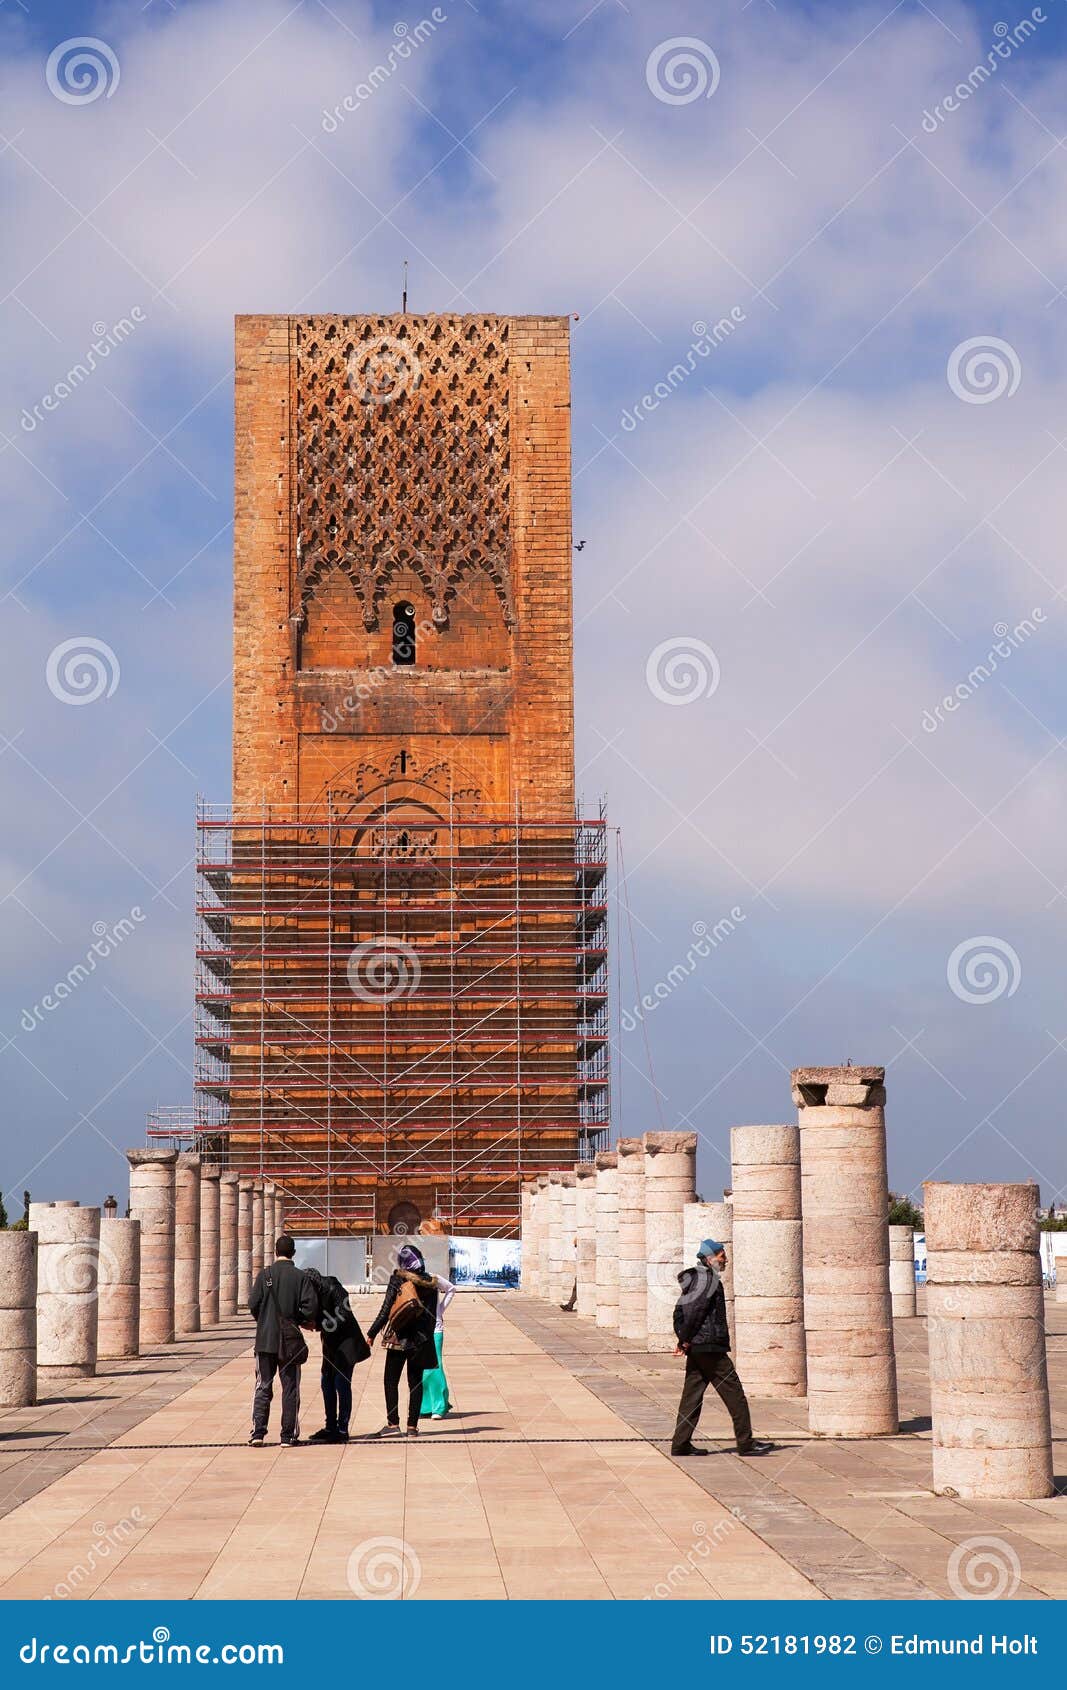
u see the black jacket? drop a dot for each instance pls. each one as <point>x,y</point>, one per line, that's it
<point>700,1312</point>
<point>417,1338</point>
<point>293,1296</point>
<point>343,1343</point>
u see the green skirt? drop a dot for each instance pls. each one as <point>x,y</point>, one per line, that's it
<point>435,1385</point>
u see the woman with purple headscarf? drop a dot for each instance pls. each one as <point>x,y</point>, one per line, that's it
<point>406,1319</point>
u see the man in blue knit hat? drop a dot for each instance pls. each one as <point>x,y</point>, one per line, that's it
<point>703,1335</point>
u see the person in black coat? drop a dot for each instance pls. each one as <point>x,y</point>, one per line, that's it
<point>408,1337</point>
<point>703,1335</point>
<point>282,1300</point>
<point>343,1346</point>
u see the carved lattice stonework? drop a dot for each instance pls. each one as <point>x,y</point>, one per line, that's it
<point>402,456</point>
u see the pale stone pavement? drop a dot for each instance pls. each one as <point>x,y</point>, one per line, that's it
<point>139,1484</point>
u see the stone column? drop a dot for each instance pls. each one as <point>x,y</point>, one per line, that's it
<point>768,1261</point>
<point>256,1243</point>
<point>555,1235</point>
<point>68,1253</point>
<point>209,1244</point>
<point>270,1231</point>
<point>852,1380</point>
<point>544,1237</point>
<point>1061,1279</point>
<point>711,1220</point>
<point>279,1211</point>
<point>585,1230</point>
<point>244,1240</point>
<point>187,1242</point>
<point>528,1279</point>
<point>670,1183</point>
<point>902,1271</point>
<point>119,1286</point>
<point>18,1319</point>
<point>228,1197</point>
<point>985,1320</point>
<point>607,1240</point>
<point>633,1273</point>
<point>568,1222</point>
<point>152,1203</point>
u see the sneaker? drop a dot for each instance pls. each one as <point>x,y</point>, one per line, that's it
<point>256,1440</point>
<point>290,1443</point>
<point>412,1432</point>
<point>761,1446</point>
<point>325,1436</point>
<point>389,1431</point>
<point>690,1449</point>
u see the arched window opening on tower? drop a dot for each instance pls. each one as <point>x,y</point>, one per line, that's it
<point>403,632</point>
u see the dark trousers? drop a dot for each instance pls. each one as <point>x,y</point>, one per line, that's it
<point>336,1394</point>
<point>266,1368</point>
<point>395,1361</point>
<point>704,1368</point>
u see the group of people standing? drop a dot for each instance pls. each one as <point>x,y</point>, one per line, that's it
<point>286,1301</point>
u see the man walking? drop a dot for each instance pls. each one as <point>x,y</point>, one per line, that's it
<point>282,1300</point>
<point>704,1339</point>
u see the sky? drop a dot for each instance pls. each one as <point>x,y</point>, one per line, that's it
<point>819,302</point>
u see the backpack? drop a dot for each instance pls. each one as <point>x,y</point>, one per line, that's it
<point>406,1309</point>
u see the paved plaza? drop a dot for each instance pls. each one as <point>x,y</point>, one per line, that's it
<point>552,1479</point>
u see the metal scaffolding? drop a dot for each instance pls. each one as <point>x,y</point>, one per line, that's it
<point>399,1010</point>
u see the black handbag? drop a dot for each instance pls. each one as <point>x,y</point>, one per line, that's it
<point>292,1348</point>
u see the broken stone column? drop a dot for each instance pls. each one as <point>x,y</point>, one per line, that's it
<point>711,1220</point>
<point>768,1336</point>
<point>989,1400</point>
<point>270,1233</point>
<point>633,1273</point>
<point>187,1242</point>
<point>568,1203</point>
<point>607,1240</point>
<point>1061,1279</point>
<point>544,1237</point>
<point>244,1240</point>
<point>228,1199</point>
<point>68,1254</point>
<point>119,1289</point>
<point>152,1203</point>
<point>526,1237</point>
<point>585,1232</point>
<point>209,1244</point>
<point>852,1381</point>
<point>670,1162</point>
<point>256,1244</point>
<point>18,1319</point>
<point>555,1235</point>
<point>902,1271</point>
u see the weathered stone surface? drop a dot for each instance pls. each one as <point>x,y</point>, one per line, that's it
<point>18,1319</point>
<point>633,1274</point>
<point>989,1398</point>
<point>244,1240</point>
<point>187,1242</point>
<point>669,1184</point>
<point>210,1176</point>
<point>119,1286</point>
<point>585,1233</point>
<point>1061,1279</point>
<point>844,1203</point>
<point>768,1271</point>
<point>68,1256</point>
<point>902,1271</point>
<point>152,1203</point>
<point>607,1240</point>
<point>228,1279</point>
<point>256,1239</point>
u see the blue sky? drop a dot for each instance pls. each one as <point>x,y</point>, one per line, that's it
<point>843,499</point>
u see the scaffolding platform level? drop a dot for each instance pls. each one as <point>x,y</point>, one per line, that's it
<point>398,1020</point>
